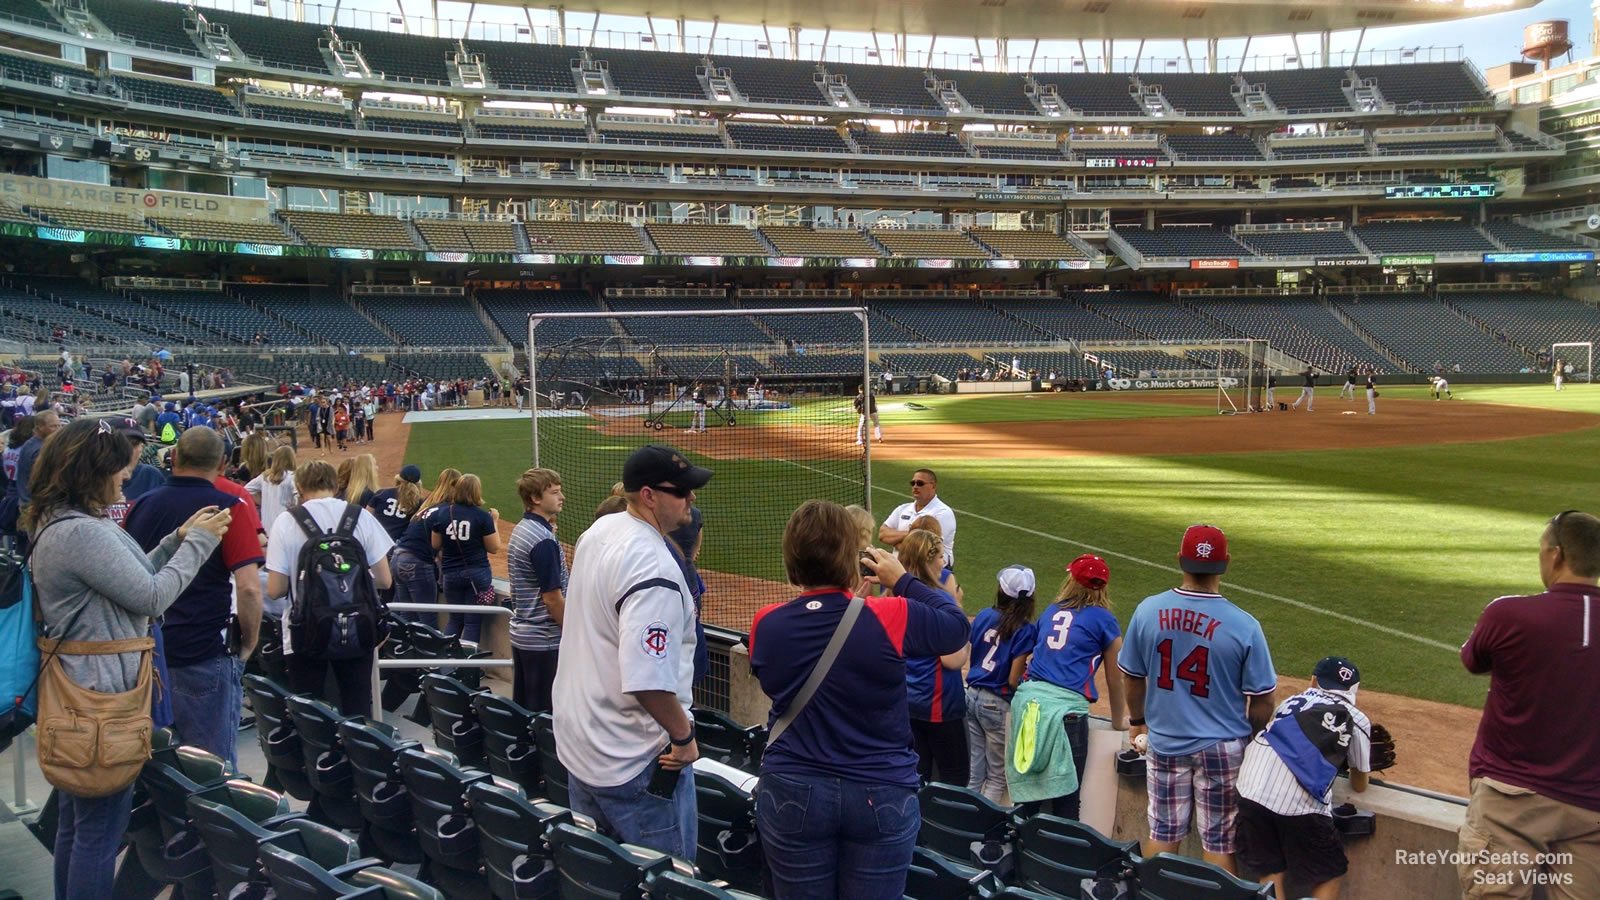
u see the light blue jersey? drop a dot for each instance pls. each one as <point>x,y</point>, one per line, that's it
<point>1203,658</point>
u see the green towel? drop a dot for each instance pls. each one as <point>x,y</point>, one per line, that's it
<point>1038,754</point>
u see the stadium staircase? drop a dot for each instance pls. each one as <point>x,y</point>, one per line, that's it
<point>521,235</point>
<point>1367,338</point>
<point>1527,352</point>
<point>377,323</point>
<point>616,324</point>
<point>489,323</point>
<point>646,240</point>
<point>416,235</point>
<point>277,317</point>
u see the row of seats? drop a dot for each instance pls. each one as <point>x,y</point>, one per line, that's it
<point>1425,333</point>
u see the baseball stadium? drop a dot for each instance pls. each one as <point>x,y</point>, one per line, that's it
<point>1099,270</point>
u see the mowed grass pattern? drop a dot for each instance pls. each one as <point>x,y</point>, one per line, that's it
<point>1412,539</point>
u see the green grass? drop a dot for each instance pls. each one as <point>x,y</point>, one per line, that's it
<point>1413,539</point>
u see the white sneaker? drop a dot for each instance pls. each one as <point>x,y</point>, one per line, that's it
<point>858,443</point>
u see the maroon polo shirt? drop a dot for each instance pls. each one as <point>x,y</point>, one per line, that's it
<point>1538,730</point>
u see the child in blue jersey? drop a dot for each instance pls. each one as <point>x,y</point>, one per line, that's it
<point>1045,760</point>
<point>934,691</point>
<point>416,575</point>
<point>1002,637</point>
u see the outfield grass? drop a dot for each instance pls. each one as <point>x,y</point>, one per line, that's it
<point>1411,539</point>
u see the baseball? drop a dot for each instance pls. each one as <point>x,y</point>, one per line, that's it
<point>1140,742</point>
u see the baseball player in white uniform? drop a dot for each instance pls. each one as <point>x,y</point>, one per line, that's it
<point>867,408</point>
<point>1558,376</point>
<point>699,398</point>
<point>1440,386</point>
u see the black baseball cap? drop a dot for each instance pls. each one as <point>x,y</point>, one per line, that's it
<point>1336,673</point>
<point>656,464</point>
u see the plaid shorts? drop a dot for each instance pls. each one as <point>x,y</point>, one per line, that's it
<point>1173,782</point>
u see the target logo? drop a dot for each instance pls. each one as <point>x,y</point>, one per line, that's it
<point>150,200</point>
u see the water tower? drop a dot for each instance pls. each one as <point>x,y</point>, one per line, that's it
<point>1544,41</point>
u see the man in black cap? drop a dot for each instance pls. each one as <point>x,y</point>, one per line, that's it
<point>624,686</point>
<point>1285,824</point>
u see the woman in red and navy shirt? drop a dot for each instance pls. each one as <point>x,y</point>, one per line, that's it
<point>836,805</point>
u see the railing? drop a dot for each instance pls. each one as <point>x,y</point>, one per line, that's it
<point>159,47</point>
<point>1288,227</point>
<point>904,294</point>
<point>405,290</point>
<point>697,293</point>
<point>1245,292</point>
<point>794,294</point>
<point>1131,139</point>
<point>1437,130</point>
<point>137,282</point>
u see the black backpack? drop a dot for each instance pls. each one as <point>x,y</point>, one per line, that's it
<point>337,613</point>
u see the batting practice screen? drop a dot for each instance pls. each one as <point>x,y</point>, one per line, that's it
<point>776,426</point>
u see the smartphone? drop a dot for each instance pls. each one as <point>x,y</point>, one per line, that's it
<point>663,781</point>
<point>866,571</point>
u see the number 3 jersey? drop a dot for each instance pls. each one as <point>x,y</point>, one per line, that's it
<point>1202,658</point>
<point>1289,768</point>
<point>1070,647</point>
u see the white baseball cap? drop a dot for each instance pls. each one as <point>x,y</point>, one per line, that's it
<point>1016,580</point>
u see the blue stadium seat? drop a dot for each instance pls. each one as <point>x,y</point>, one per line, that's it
<point>508,743</point>
<point>512,830</point>
<point>327,767</point>
<point>1169,877</point>
<point>374,750</point>
<point>1055,855</point>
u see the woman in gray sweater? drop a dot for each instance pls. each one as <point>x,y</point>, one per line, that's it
<point>93,583</point>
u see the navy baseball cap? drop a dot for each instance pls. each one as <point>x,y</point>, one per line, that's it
<point>656,464</point>
<point>412,474</point>
<point>1336,673</point>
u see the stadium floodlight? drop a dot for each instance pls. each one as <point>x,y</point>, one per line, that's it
<point>779,427</point>
<point>1576,355</point>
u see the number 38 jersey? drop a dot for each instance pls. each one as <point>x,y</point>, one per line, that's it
<point>385,504</point>
<point>1071,645</point>
<point>1202,658</point>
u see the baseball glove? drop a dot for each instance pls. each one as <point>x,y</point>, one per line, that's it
<point>1382,748</point>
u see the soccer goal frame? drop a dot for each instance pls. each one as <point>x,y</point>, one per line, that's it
<point>1572,351</point>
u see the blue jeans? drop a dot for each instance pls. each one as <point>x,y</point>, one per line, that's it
<point>462,588</point>
<point>414,582</point>
<point>826,837</point>
<point>986,743</point>
<point>206,698</point>
<point>88,835</point>
<point>633,816</point>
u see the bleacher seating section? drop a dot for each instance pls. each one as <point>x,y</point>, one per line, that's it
<point>1097,93</point>
<point>483,237</point>
<point>922,364</point>
<point>529,67</point>
<point>515,130</point>
<point>1531,320</point>
<point>223,229</point>
<point>1303,90</point>
<point>1018,150</point>
<point>956,321</point>
<point>993,92</point>
<point>798,240</point>
<point>175,94</point>
<point>687,329</point>
<point>510,310</point>
<point>1185,242</point>
<point>645,73</point>
<point>807,329</point>
<point>118,308</point>
<point>583,237</point>
<point>707,240</point>
<point>235,322</point>
<point>37,316</point>
<point>300,115</point>
<point>1026,244</point>
<point>1423,237</point>
<point>319,310</point>
<point>402,125</point>
<point>916,143</point>
<point>1065,365</point>
<point>1521,237</point>
<point>1213,146</point>
<point>404,57</point>
<point>323,229</point>
<point>153,24</point>
<point>928,244</point>
<point>888,87</point>
<point>92,219</point>
<point>31,12</point>
<point>1155,317</point>
<point>793,139</point>
<point>1299,243</point>
<point>38,70</point>
<point>426,321</point>
<point>1423,331</point>
<point>1196,94</point>
<point>1488,144</point>
<point>1304,329</point>
<point>1432,84</point>
<point>1321,149</point>
<point>277,42</point>
<point>684,137</point>
<point>773,80</point>
<point>1067,319</point>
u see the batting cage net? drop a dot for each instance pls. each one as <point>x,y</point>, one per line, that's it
<point>1574,360</point>
<point>778,427</point>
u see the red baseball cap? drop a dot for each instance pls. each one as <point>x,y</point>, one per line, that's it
<point>1090,571</point>
<point>1204,551</point>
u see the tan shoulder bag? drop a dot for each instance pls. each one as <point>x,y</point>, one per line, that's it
<point>91,743</point>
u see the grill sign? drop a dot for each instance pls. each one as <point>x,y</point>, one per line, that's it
<point>1120,162</point>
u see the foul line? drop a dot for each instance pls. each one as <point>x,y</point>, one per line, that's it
<point>1233,586</point>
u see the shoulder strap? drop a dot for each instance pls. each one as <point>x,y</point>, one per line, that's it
<point>819,671</point>
<point>348,520</point>
<point>302,517</point>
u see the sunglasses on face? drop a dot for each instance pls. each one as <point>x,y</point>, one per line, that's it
<point>917,482</point>
<point>680,492</point>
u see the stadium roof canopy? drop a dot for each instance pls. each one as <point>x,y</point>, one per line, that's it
<point>1052,19</point>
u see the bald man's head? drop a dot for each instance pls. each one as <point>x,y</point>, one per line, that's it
<point>45,423</point>
<point>199,452</point>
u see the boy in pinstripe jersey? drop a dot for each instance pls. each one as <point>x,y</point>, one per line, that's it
<point>538,573</point>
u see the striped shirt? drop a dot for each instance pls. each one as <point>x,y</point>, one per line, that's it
<point>1289,768</point>
<point>536,567</point>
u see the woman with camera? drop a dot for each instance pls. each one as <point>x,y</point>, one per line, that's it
<point>93,583</point>
<point>837,804</point>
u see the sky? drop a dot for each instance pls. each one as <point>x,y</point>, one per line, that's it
<point>1486,40</point>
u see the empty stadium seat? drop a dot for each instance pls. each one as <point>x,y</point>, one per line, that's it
<point>144,22</point>
<point>463,234</point>
<point>1423,237</point>
<point>787,138</point>
<point>1303,90</point>
<point>317,309</point>
<point>506,129</point>
<point>953,818</point>
<point>721,738</point>
<point>300,115</point>
<point>1026,244</point>
<point>1302,328</point>
<point>406,125</point>
<point>955,321</point>
<point>1427,84</point>
<point>454,719</point>
<point>652,73</point>
<point>682,137</point>
<point>688,329</point>
<point>282,43</point>
<point>1166,876</point>
<point>233,836</point>
<point>1423,331</point>
<point>91,219</point>
<point>529,67</point>
<point>1196,94</point>
<point>1055,854</point>
<point>934,876</point>
<point>594,867</point>
<point>429,320</point>
<point>296,877</point>
<point>1184,242</point>
<point>909,143</point>
<point>445,830</point>
<point>374,750</point>
<point>1531,320</point>
<point>275,732</point>
<point>773,80</point>
<point>993,92</point>
<point>798,240</point>
<point>707,240</point>
<point>555,774</point>
<point>327,767</point>
<point>173,94</point>
<point>888,87</point>
<point>1154,316</point>
<point>1523,238</point>
<point>518,862</point>
<point>729,849</point>
<point>404,57</point>
<point>928,244</point>
<point>509,746</point>
<point>1232,147</point>
<point>1099,93</point>
<point>324,229</point>
<point>583,237</point>
<point>1298,243</point>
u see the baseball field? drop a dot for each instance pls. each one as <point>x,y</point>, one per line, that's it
<point>1376,537</point>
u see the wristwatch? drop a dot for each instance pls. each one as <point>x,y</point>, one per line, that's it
<point>687,739</point>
